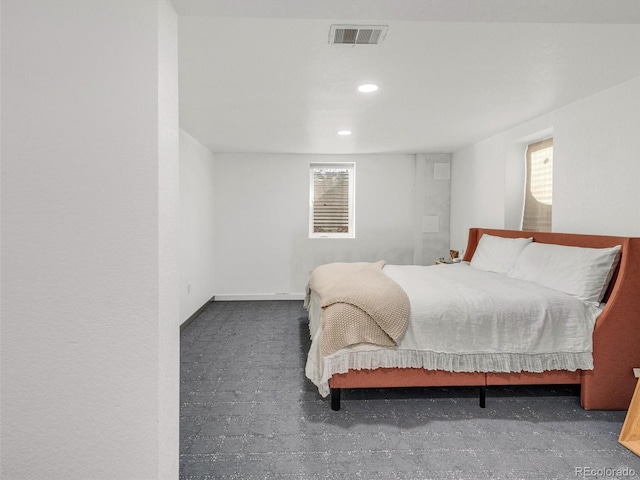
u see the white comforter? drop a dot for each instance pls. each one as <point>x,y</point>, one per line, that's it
<point>468,320</point>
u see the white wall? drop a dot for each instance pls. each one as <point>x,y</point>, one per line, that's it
<point>89,240</point>
<point>596,165</point>
<point>262,220</point>
<point>197,239</point>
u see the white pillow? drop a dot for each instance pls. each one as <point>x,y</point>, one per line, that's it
<point>578,271</point>
<point>498,254</point>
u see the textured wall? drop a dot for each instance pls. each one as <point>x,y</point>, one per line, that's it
<point>89,184</point>
<point>262,219</point>
<point>197,232</point>
<point>262,246</point>
<point>432,199</point>
<point>596,167</point>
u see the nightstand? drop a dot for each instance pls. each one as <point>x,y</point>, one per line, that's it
<point>630,433</point>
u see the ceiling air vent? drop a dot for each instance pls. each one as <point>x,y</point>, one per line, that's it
<point>357,34</point>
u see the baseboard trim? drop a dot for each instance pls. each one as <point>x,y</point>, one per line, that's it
<point>186,323</point>
<point>266,296</point>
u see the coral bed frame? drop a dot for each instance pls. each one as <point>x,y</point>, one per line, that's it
<point>616,339</point>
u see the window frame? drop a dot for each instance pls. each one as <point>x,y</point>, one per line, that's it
<point>351,168</point>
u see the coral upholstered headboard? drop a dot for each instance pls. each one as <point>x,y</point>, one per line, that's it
<point>616,338</point>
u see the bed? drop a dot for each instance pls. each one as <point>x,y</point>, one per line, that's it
<point>603,332</point>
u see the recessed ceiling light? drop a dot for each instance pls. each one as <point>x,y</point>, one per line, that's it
<point>344,132</point>
<point>368,88</point>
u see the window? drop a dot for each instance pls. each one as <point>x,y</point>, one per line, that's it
<point>331,206</point>
<point>539,183</point>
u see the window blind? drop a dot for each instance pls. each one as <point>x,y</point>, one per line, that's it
<point>330,200</point>
<point>539,187</point>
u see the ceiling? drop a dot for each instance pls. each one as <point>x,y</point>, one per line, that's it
<point>259,76</point>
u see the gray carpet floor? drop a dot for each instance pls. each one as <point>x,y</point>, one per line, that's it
<point>248,412</point>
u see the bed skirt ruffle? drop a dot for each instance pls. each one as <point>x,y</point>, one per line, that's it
<point>489,362</point>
